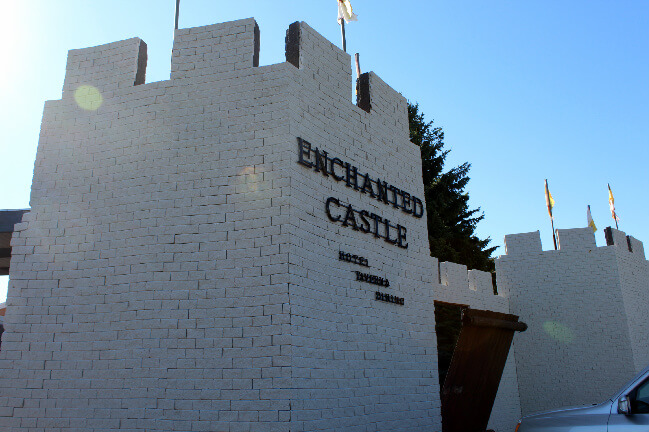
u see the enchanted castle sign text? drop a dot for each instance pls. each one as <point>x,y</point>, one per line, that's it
<point>358,219</point>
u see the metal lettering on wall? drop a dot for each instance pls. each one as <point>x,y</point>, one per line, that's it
<point>389,298</point>
<point>359,220</point>
<point>372,279</point>
<point>354,259</point>
<point>376,188</point>
<point>354,218</point>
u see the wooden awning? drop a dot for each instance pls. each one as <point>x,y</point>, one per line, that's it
<point>470,388</point>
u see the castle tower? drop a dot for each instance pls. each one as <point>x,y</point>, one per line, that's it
<point>587,309</point>
<point>236,248</point>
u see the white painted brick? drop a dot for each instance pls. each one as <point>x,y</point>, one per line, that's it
<point>585,306</point>
<point>177,265</point>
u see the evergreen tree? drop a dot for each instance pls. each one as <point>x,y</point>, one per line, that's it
<point>451,223</point>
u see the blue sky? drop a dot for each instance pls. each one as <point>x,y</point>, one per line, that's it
<point>525,90</point>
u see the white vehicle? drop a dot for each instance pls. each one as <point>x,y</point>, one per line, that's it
<point>626,411</point>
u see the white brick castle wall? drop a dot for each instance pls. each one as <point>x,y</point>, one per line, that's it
<point>178,271</point>
<point>357,364</point>
<point>587,308</point>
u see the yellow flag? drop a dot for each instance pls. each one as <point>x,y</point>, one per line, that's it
<point>591,222</point>
<point>549,201</point>
<point>345,11</point>
<point>611,204</point>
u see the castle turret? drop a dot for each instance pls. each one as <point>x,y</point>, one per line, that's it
<point>586,308</point>
<point>239,247</point>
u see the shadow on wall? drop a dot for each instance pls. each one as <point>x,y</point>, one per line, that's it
<point>448,324</point>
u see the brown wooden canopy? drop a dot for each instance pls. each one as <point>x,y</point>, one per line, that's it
<point>473,378</point>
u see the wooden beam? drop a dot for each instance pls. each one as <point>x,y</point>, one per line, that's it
<point>494,322</point>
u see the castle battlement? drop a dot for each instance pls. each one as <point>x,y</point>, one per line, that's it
<point>473,288</point>
<point>590,303</point>
<point>458,277</point>
<point>570,240</point>
<point>226,57</point>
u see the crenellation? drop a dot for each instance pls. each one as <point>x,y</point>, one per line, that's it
<point>453,275</point>
<point>218,49</point>
<point>522,244</point>
<point>481,281</point>
<point>387,105</point>
<point>324,61</point>
<point>473,288</point>
<point>576,239</point>
<point>107,67</point>
<point>616,238</point>
<point>636,246</point>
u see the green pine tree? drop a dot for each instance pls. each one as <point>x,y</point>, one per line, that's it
<point>451,223</point>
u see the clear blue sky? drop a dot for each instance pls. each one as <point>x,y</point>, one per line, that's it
<point>525,90</point>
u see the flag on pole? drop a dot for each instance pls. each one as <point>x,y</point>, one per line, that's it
<point>345,11</point>
<point>611,204</point>
<point>549,201</point>
<point>591,222</point>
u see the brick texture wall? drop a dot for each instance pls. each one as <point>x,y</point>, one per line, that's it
<point>357,363</point>
<point>177,270</point>
<point>586,308</point>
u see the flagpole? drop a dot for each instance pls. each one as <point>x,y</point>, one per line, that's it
<point>177,12</point>
<point>554,238</point>
<point>342,33</point>
<point>358,65</point>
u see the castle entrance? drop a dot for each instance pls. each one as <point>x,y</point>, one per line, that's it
<point>469,379</point>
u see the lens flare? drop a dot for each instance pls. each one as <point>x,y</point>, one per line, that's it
<point>559,331</point>
<point>247,171</point>
<point>88,97</point>
<point>248,177</point>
